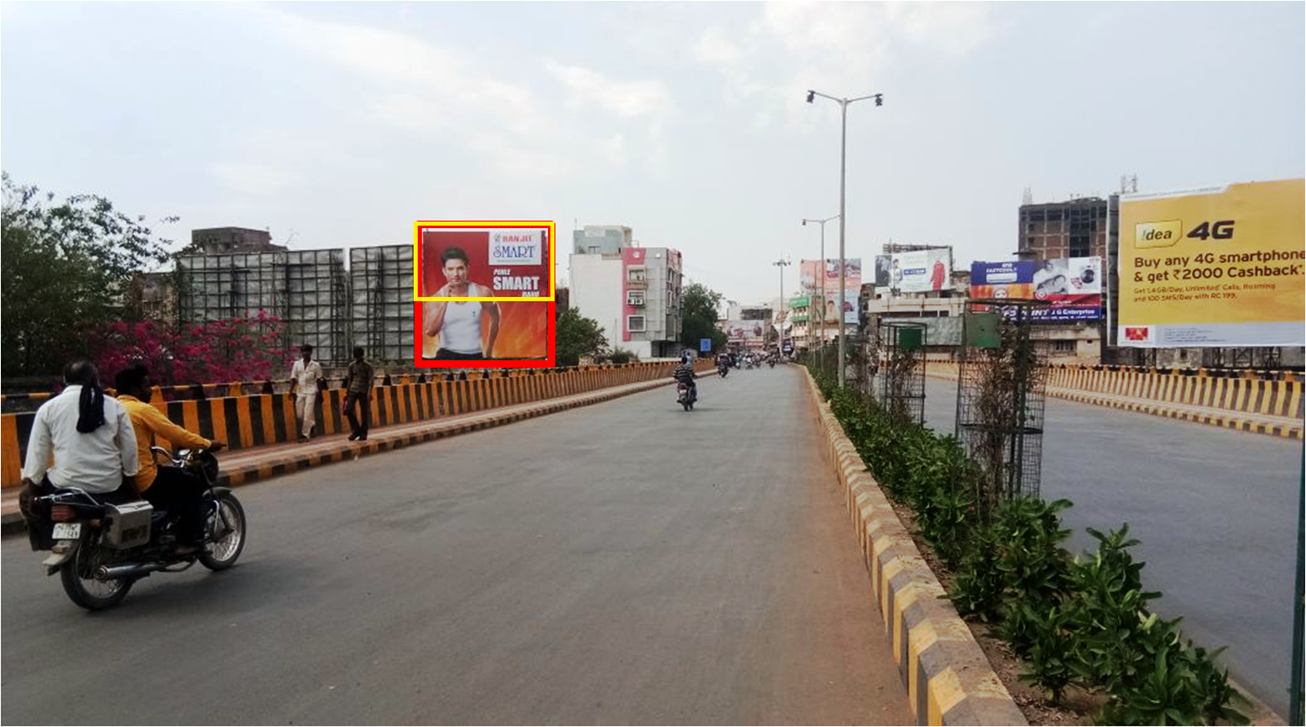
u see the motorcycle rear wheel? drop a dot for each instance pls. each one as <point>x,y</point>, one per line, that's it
<point>78,577</point>
<point>221,554</point>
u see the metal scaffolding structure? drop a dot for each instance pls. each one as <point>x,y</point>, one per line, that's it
<point>383,315</point>
<point>902,370</point>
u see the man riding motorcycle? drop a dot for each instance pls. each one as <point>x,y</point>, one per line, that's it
<point>166,488</point>
<point>684,373</point>
<point>93,445</point>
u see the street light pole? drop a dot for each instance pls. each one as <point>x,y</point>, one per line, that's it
<point>782,264</point>
<point>821,351</point>
<point>843,159</point>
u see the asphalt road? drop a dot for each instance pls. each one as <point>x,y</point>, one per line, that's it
<point>1215,509</point>
<point>621,563</point>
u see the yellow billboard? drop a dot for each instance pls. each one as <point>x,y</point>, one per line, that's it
<point>1223,266</point>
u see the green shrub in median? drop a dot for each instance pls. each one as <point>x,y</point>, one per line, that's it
<point>1076,621</point>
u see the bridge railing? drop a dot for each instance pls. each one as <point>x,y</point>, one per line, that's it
<point>1244,391</point>
<point>252,415</point>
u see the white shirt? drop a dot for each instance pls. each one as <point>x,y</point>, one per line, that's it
<point>305,377</point>
<point>461,332</point>
<point>96,461</point>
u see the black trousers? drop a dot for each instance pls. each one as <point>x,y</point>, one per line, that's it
<point>352,401</point>
<point>445,354</point>
<point>182,495</point>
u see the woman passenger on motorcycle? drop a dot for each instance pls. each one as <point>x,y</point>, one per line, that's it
<point>166,488</point>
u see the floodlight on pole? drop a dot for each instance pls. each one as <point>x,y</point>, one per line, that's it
<point>843,175</point>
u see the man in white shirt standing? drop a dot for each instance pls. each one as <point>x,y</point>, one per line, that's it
<point>92,441</point>
<point>304,376</point>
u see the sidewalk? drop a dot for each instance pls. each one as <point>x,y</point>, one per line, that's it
<point>1227,418</point>
<point>246,466</point>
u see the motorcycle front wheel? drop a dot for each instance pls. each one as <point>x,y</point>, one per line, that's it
<point>78,576</point>
<point>228,524</point>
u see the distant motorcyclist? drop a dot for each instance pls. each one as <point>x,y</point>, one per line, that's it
<point>684,373</point>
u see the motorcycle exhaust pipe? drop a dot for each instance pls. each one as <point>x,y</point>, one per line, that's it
<point>116,572</point>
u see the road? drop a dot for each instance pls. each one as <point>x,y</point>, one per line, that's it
<point>1215,509</point>
<point>621,563</point>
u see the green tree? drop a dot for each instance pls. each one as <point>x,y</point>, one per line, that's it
<point>578,336</point>
<point>64,266</point>
<point>700,305</point>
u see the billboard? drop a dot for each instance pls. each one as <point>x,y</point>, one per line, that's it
<point>745,333</point>
<point>507,331</point>
<point>828,307</point>
<point>1002,280</point>
<point>1072,285</point>
<point>502,263</point>
<point>812,272</point>
<point>883,269</point>
<point>1221,266</point>
<point>920,271</point>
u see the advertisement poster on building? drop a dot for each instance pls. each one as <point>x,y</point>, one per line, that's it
<point>830,309</point>
<point>1214,267</point>
<point>883,269</point>
<point>920,271</point>
<point>499,263</point>
<point>751,334</point>
<point>475,326</point>
<point>1013,279</point>
<point>1072,285</point>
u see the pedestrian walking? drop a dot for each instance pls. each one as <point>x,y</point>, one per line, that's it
<point>358,385</point>
<point>304,376</point>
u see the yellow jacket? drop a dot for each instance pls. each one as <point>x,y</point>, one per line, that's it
<point>149,422</point>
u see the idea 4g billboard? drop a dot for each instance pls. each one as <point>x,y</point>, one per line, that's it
<point>1221,266</point>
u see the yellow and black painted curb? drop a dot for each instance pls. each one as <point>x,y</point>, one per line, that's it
<point>949,680</point>
<point>1276,397</point>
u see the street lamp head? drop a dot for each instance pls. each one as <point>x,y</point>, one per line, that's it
<point>879,99</point>
<point>811,96</point>
<point>804,222</point>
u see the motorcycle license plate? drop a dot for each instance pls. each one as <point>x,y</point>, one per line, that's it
<point>67,531</point>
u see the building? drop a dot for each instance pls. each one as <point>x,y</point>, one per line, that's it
<point>216,240</point>
<point>1075,228</point>
<point>381,313</point>
<point>635,293</point>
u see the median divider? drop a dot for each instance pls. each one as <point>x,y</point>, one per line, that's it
<point>949,679</point>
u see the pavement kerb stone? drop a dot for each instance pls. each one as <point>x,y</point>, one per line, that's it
<point>949,680</point>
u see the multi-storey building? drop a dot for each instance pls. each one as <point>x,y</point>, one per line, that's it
<point>635,293</point>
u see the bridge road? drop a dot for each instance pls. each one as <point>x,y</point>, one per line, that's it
<point>620,563</point>
<point>1215,509</point>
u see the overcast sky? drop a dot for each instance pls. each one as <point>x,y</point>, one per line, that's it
<point>346,122</point>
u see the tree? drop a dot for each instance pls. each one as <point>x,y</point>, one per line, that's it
<point>700,317</point>
<point>64,266</point>
<point>578,336</point>
<point>241,349</point>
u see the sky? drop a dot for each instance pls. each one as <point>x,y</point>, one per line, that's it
<point>339,124</point>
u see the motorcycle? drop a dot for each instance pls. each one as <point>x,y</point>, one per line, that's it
<point>722,370</point>
<point>100,550</point>
<point>771,363</point>
<point>685,396</point>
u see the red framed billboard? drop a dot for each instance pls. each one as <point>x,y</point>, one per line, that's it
<point>484,295</point>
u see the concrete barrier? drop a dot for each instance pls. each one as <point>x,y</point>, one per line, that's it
<point>1244,400</point>
<point>949,680</point>
<point>259,419</point>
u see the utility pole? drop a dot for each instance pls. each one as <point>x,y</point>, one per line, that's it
<point>782,263</point>
<point>843,168</point>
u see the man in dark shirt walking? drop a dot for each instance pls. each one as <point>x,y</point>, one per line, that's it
<point>358,382</point>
